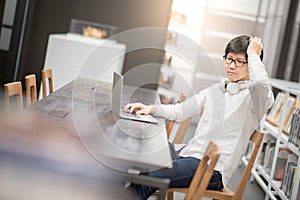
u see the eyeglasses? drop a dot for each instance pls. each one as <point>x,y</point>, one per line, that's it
<point>238,63</point>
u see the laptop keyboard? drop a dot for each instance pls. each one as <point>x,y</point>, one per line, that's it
<point>134,116</point>
<point>144,118</point>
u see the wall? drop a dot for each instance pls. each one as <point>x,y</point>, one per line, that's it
<point>53,16</point>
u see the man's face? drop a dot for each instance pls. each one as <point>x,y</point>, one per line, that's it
<point>236,67</point>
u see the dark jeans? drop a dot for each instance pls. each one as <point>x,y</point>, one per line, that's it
<point>180,176</point>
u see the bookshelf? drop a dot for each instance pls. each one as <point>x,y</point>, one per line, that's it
<point>275,169</point>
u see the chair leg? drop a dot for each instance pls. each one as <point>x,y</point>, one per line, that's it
<point>170,195</point>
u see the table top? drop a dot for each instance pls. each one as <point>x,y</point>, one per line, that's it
<point>85,106</point>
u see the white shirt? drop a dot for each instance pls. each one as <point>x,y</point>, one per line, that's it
<point>227,119</point>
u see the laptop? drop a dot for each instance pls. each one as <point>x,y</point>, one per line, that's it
<point>117,94</point>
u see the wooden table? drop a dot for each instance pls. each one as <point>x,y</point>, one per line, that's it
<point>85,105</point>
<point>73,140</point>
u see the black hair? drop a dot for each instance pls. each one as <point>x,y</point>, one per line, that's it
<point>239,45</point>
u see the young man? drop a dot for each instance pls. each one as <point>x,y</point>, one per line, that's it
<point>229,113</point>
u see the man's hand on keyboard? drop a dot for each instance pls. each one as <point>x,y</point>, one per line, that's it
<point>138,108</point>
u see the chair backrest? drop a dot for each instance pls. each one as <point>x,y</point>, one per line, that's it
<point>30,86</point>
<point>204,171</point>
<point>47,75</point>
<point>256,138</point>
<point>10,90</point>
<point>227,194</point>
<point>170,124</point>
<point>180,133</point>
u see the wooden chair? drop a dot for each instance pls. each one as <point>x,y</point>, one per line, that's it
<point>11,90</point>
<point>256,138</point>
<point>202,175</point>
<point>180,133</point>
<point>47,75</point>
<point>30,86</point>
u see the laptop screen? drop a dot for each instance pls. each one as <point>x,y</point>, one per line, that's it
<point>117,93</point>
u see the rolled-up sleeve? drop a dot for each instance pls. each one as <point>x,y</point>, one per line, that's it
<point>181,111</point>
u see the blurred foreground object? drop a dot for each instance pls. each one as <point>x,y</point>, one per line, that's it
<point>43,159</point>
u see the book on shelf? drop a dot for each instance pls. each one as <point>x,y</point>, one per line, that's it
<point>276,109</point>
<point>270,155</point>
<point>281,163</point>
<point>294,136</point>
<point>291,161</point>
<point>290,180</point>
<point>287,111</point>
<point>269,147</point>
<point>297,193</point>
<point>287,126</point>
<point>262,154</point>
<point>262,159</point>
<point>293,181</point>
<point>276,106</point>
